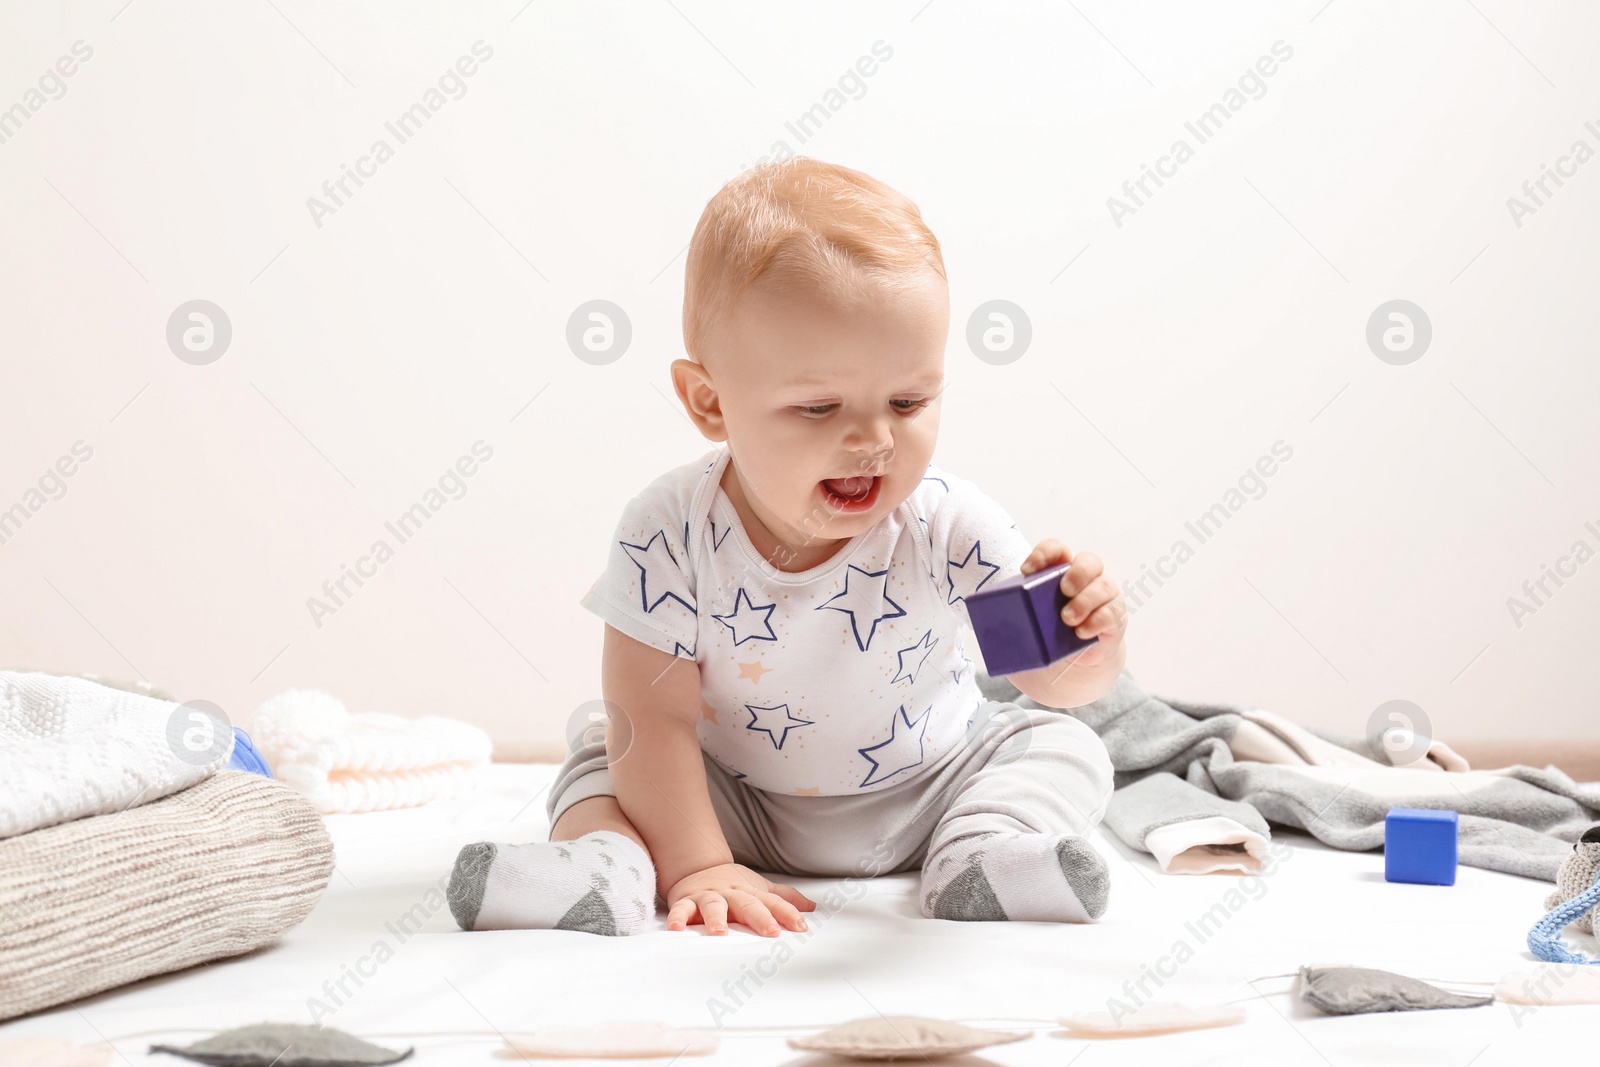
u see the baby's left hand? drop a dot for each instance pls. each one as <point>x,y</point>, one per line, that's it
<point>1095,606</point>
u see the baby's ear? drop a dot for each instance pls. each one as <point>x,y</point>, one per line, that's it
<point>699,399</point>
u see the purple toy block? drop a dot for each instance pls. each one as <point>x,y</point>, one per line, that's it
<point>1018,622</point>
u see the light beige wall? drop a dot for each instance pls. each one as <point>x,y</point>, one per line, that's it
<point>429,312</point>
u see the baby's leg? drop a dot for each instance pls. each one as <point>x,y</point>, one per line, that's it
<point>594,874</point>
<point>1014,843</point>
<point>599,812</point>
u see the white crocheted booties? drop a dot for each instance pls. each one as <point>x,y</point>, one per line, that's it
<point>368,761</point>
<point>1578,873</point>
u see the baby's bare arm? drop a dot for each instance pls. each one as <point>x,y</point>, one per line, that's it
<point>654,756</point>
<point>658,772</point>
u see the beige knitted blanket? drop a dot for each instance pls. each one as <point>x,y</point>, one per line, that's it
<point>218,869</point>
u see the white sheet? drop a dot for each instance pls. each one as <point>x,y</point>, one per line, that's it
<point>875,953</point>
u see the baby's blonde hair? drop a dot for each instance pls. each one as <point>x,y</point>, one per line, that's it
<point>805,224</point>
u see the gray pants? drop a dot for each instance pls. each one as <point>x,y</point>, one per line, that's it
<point>1017,770</point>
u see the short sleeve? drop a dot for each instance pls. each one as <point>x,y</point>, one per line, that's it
<point>645,590</point>
<point>972,540</point>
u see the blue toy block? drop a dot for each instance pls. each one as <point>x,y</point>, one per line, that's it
<point>1018,622</point>
<point>1419,846</point>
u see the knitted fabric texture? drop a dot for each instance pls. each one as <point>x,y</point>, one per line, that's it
<point>1578,872</point>
<point>1544,940</point>
<point>211,871</point>
<point>71,748</point>
<point>366,762</point>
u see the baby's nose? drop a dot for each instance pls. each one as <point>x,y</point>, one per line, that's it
<point>874,441</point>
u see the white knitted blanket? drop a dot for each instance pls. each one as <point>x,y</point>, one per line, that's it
<point>71,748</point>
<point>369,761</point>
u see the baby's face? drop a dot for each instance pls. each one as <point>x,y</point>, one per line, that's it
<point>811,392</point>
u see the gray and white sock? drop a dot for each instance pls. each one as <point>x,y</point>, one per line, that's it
<point>997,876</point>
<point>600,883</point>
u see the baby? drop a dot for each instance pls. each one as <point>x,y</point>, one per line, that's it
<point>784,665</point>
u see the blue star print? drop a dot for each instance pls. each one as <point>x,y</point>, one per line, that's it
<point>716,541</point>
<point>661,556</point>
<point>966,664</point>
<point>787,722</point>
<point>971,572</point>
<point>739,616</point>
<point>866,601</point>
<point>730,770</point>
<point>898,747</point>
<point>975,709</point>
<point>911,655</point>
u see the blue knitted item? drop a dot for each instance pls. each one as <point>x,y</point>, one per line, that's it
<point>246,757</point>
<point>1545,937</point>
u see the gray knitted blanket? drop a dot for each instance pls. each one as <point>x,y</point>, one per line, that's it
<point>1175,762</point>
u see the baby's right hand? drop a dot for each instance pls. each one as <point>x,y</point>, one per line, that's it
<point>755,901</point>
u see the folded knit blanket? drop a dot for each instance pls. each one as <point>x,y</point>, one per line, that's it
<point>71,748</point>
<point>368,761</point>
<point>1198,782</point>
<point>218,869</point>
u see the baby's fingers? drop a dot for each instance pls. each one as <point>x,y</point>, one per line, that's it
<point>711,909</point>
<point>679,914</point>
<point>714,911</point>
<point>749,909</point>
<point>786,913</point>
<point>795,897</point>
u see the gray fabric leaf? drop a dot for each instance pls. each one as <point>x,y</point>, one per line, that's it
<point>1356,990</point>
<point>285,1045</point>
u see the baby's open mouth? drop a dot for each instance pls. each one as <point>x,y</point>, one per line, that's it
<point>849,488</point>
<point>851,494</point>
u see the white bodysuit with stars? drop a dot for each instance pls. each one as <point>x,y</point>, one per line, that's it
<point>844,678</point>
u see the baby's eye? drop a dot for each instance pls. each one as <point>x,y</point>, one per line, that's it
<point>819,410</point>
